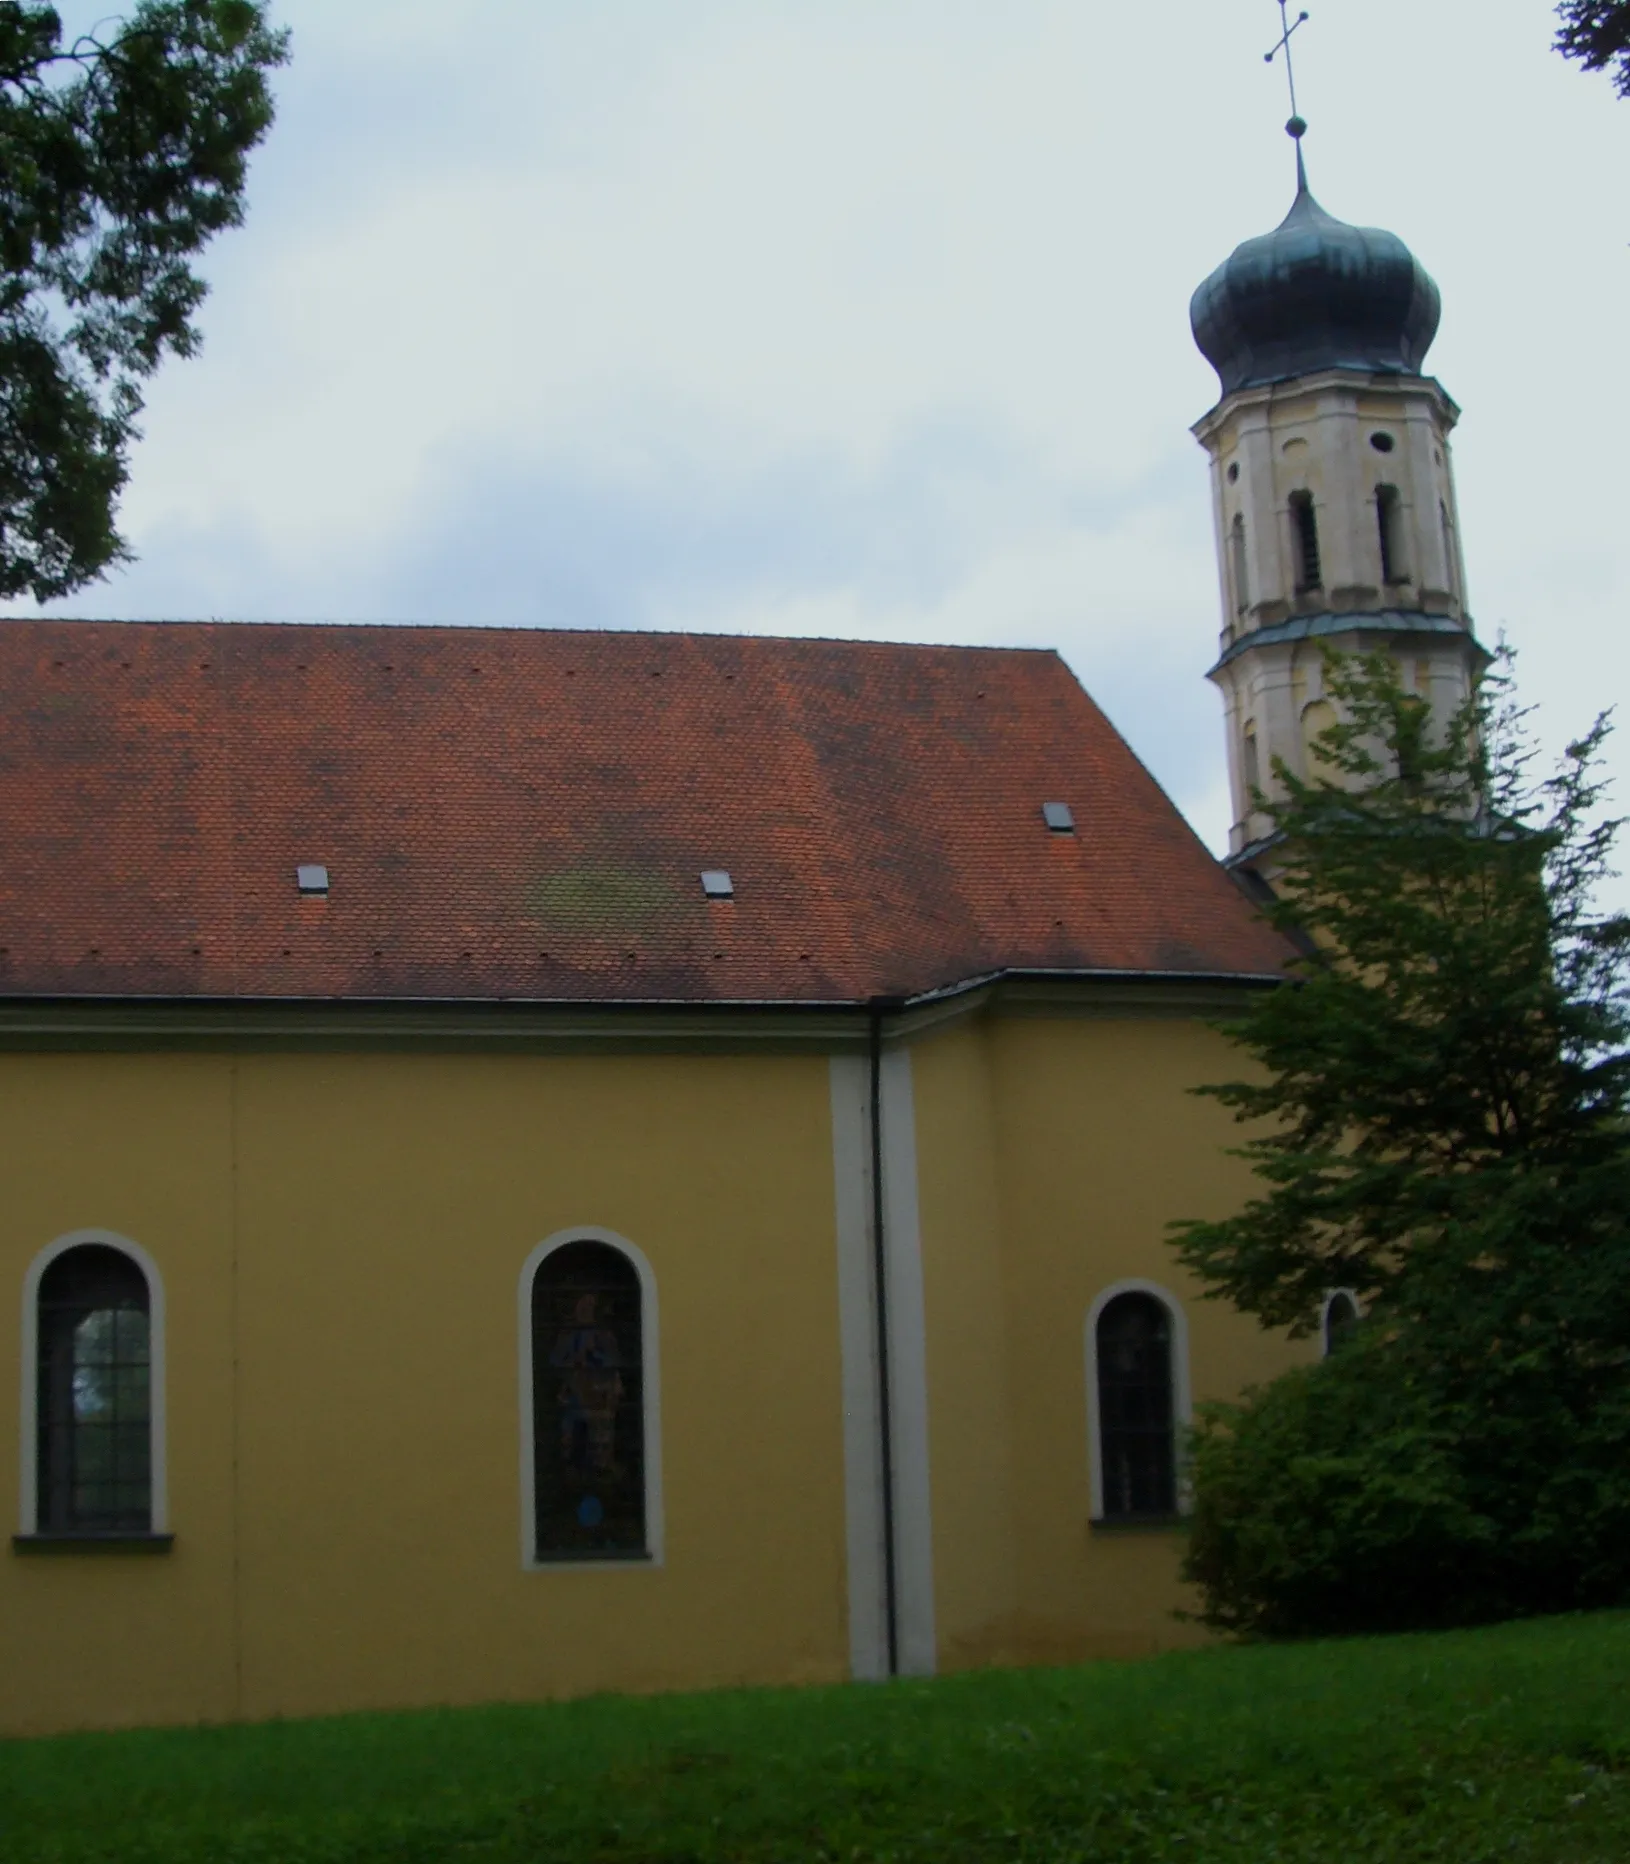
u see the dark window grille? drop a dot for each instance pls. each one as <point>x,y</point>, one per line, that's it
<point>1309,574</point>
<point>1389,520</point>
<point>95,1395</point>
<point>588,1405</point>
<point>1340,1322</point>
<point>1136,1440</point>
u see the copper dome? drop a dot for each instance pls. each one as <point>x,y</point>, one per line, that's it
<point>1315,294</point>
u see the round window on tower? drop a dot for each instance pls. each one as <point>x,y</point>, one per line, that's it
<point>1383,443</point>
<point>1233,471</point>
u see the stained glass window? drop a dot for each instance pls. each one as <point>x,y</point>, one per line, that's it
<point>588,1405</point>
<point>95,1403</point>
<point>1137,1444</point>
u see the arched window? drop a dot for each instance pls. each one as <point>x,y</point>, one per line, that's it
<point>1252,764</point>
<point>588,1361</point>
<point>1305,523</point>
<point>94,1395</point>
<point>1340,1321</point>
<point>1137,1408</point>
<point>1242,584</point>
<point>1389,518</point>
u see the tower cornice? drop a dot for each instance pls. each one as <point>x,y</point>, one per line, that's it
<point>1396,626</point>
<point>1273,395</point>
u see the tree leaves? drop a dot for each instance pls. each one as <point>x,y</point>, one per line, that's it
<point>121,155</point>
<point>1458,1022</point>
<point>1437,1110</point>
<point>1597,34</point>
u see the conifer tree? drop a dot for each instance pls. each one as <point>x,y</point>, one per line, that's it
<point>1459,1024</point>
<point>1437,1124</point>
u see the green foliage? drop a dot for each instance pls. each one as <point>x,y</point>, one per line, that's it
<point>1449,1070</point>
<point>1370,1492</point>
<point>1326,1500</point>
<point>120,157</point>
<point>1511,1744</point>
<point>1597,34</point>
<point>1438,1124</point>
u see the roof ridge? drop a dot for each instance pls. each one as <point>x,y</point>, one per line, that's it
<point>317,622</point>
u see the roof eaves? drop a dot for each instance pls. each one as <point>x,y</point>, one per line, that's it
<point>1045,974</point>
<point>642,1005</point>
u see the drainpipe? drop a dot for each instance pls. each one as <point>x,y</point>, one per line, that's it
<point>891,1616</point>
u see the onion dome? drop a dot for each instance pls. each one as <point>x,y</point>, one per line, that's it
<point>1315,294</point>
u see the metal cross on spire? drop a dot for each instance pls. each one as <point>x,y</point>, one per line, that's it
<point>1296,128</point>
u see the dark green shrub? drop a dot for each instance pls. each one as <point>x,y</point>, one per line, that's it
<point>1382,1490</point>
<point>1319,1509</point>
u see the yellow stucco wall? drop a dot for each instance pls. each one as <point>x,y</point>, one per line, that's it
<point>142,1148</point>
<point>1093,1144</point>
<point>965,1299</point>
<point>341,1238</point>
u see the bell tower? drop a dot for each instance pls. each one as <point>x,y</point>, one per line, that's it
<point>1331,481</point>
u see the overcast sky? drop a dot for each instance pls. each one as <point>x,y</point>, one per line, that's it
<point>870,318</point>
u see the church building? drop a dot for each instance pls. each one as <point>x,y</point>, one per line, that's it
<point>552,1161</point>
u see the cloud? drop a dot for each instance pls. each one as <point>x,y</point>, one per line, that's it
<point>865,320</point>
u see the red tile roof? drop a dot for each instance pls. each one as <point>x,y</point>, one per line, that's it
<point>525,814</point>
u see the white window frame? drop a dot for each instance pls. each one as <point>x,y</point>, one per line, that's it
<point>28,1498</point>
<point>1324,1316</point>
<point>651,1404</point>
<point>1182,1398</point>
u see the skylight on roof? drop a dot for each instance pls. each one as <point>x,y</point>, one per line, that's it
<point>717,884</point>
<point>311,877</point>
<point>1059,818</point>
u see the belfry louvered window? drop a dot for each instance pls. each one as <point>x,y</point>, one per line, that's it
<point>588,1406</point>
<point>94,1417</point>
<point>1305,525</point>
<point>1242,585</point>
<point>1137,1444</point>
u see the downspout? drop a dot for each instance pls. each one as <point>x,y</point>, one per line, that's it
<point>891,1616</point>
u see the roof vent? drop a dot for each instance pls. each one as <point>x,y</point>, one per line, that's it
<point>717,884</point>
<point>310,877</point>
<point>1058,818</point>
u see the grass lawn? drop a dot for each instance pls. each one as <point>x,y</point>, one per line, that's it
<point>1511,1743</point>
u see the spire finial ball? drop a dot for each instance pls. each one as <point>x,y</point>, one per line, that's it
<point>1296,129</point>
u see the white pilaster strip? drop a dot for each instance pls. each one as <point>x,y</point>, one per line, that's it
<point>857,1332</point>
<point>908,1372</point>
